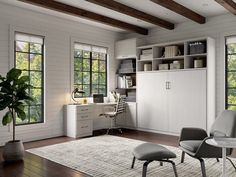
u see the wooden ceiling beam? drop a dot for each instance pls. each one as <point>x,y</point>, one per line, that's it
<point>229,5</point>
<point>75,11</point>
<point>180,9</point>
<point>121,8</point>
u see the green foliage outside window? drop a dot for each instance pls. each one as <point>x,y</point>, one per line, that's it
<point>90,72</point>
<point>231,77</point>
<point>29,58</point>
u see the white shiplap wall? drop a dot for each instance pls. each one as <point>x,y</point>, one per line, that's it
<point>58,33</point>
<point>216,27</point>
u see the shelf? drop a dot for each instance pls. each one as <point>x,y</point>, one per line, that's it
<point>148,60</point>
<point>131,88</point>
<point>125,73</point>
<point>197,55</point>
<point>170,58</point>
<point>173,70</point>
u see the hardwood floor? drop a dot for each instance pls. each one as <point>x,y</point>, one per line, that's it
<point>35,166</point>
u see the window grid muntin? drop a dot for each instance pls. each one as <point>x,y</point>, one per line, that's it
<point>29,74</point>
<point>91,73</point>
<point>227,71</point>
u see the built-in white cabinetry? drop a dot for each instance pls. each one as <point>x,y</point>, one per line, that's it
<point>126,48</point>
<point>131,114</point>
<point>79,120</point>
<point>168,100</point>
<point>152,101</point>
<point>172,101</point>
<point>129,117</point>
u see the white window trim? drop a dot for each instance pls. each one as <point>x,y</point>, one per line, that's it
<point>92,43</point>
<point>12,30</point>
<point>222,55</point>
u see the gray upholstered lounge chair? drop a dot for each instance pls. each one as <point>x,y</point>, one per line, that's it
<point>193,140</point>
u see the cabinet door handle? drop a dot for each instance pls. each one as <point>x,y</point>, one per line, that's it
<point>84,126</point>
<point>169,85</point>
<point>166,85</point>
<point>84,109</point>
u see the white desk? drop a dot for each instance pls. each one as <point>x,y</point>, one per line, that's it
<point>223,143</point>
<point>82,119</point>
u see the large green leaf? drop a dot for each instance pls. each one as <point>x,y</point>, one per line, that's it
<point>22,80</point>
<point>20,112</point>
<point>2,78</point>
<point>7,118</point>
<point>13,74</point>
<point>5,102</point>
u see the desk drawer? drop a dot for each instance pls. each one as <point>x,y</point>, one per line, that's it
<point>84,127</point>
<point>84,116</point>
<point>83,109</point>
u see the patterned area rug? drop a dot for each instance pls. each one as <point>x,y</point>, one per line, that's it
<point>111,156</point>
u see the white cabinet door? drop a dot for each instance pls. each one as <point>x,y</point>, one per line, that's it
<point>187,100</point>
<point>131,116</point>
<point>125,49</point>
<point>152,101</point>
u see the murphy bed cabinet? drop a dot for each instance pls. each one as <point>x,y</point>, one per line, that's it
<point>168,100</point>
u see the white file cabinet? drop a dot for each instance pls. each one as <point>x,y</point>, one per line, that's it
<point>79,120</point>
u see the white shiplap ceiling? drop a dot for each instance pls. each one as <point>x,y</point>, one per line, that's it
<point>207,8</point>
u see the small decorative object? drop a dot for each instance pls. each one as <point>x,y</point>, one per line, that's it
<point>177,65</point>
<point>85,101</point>
<point>163,66</point>
<point>171,51</point>
<point>197,47</point>
<point>76,94</point>
<point>198,63</point>
<point>14,97</point>
<point>147,67</point>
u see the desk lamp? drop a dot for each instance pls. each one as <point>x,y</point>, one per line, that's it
<point>76,91</point>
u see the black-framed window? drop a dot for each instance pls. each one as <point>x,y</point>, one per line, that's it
<point>90,69</point>
<point>230,73</point>
<point>29,57</point>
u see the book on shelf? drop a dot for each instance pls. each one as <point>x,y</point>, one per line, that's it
<point>146,57</point>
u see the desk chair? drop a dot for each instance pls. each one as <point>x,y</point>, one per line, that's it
<point>119,108</point>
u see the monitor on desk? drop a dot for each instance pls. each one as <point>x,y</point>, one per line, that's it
<point>98,98</point>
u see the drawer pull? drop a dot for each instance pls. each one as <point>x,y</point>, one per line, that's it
<point>84,109</point>
<point>84,126</point>
<point>84,116</point>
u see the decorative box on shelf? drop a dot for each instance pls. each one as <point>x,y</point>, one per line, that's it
<point>197,47</point>
<point>163,66</point>
<point>177,65</point>
<point>171,51</point>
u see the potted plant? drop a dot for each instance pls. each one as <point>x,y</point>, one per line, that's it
<point>14,97</point>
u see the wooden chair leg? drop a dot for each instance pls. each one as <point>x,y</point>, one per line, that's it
<point>133,162</point>
<point>231,163</point>
<point>182,157</point>
<point>203,167</point>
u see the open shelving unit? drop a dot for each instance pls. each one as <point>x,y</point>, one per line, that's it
<point>185,54</point>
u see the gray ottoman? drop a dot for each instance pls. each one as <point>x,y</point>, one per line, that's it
<point>153,152</point>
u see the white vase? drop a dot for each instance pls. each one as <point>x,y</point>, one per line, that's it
<point>13,151</point>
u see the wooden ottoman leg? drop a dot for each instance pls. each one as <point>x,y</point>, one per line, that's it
<point>133,162</point>
<point>173,165</point>
<point>145,165</point>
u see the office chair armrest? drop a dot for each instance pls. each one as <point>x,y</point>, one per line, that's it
<point>208,151</point>
<point>189,133</point>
